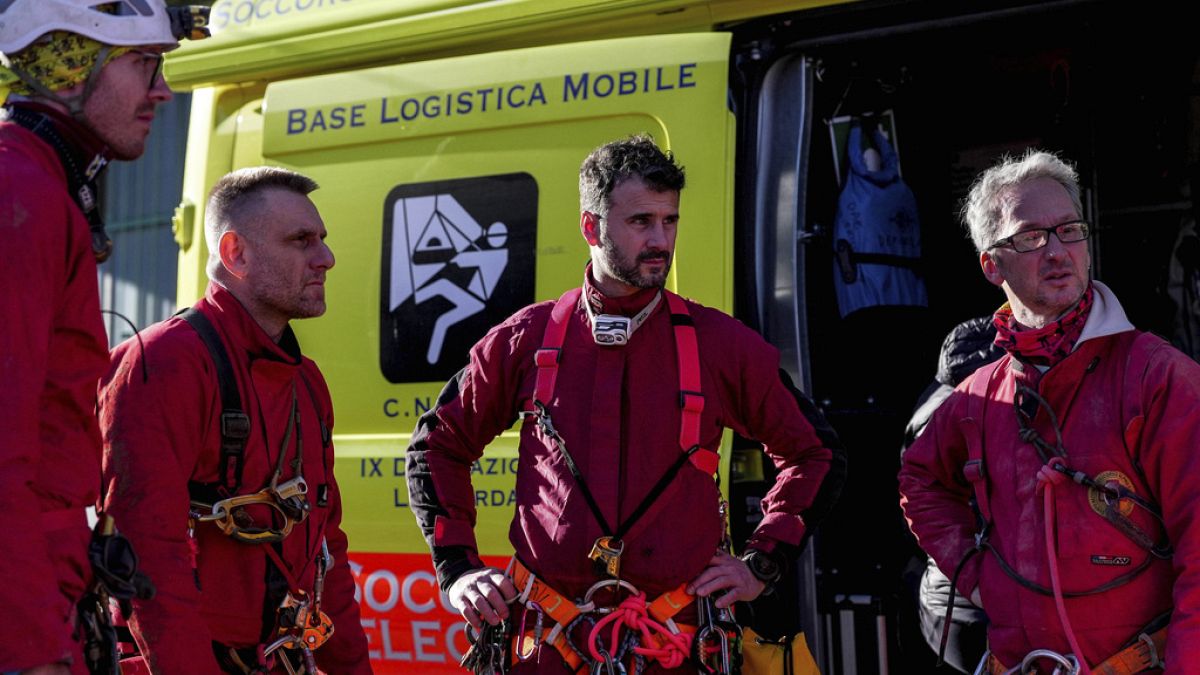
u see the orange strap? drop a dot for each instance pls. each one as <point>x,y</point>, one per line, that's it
<point>1146,653</point>
<point>670,603</point>
<point>563,611</point>
<point>1138,657</point>
<point>553,603</point>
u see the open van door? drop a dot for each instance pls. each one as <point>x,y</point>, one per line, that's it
<point>777,271</point>
<point>449,189</point>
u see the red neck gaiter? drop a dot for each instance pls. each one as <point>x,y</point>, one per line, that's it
<point>1047,345</point>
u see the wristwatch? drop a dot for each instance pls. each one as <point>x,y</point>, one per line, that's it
<point>764,568</point>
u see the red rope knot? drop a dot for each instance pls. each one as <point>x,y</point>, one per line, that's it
<point>659,643</point>
<point>1048,475</point>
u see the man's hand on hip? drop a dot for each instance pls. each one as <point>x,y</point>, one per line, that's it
<point>730,574</point>
<point>482,594</point>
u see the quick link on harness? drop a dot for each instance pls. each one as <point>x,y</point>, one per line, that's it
<point>288,498</point>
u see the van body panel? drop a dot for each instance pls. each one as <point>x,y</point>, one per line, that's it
<point>276,39</point>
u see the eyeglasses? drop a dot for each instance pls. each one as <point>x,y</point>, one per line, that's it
<point>1033,239</point>
<point>148,58</point>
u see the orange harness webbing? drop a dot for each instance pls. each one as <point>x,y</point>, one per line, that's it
<point>1138,657</point>
<point>563,611</point>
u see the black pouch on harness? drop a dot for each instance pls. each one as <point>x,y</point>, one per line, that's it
<point>114,568</point>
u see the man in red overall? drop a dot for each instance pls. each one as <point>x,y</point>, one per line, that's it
<point>80,84</point>
<point>1055,485</point>
<point>218,454</point>
<point>627,389</point>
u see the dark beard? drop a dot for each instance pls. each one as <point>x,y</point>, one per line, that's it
<point>629,274</point>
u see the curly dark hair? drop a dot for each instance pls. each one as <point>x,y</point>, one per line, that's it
<point>633,157</point>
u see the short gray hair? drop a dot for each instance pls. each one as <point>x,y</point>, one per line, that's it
<point>983,210</point>
<point>234,200</point>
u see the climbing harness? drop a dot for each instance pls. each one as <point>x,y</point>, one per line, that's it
<point>607,549</point>
<point>219,502</point>
<point>299,624</point>
<point>623,636</point>
<point>1143,653</point>
<point>1111,497</point>
<point>288,498</point>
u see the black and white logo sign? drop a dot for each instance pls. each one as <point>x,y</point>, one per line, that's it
<point>458,258</point>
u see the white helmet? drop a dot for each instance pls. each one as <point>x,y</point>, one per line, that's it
<point>135,22</point>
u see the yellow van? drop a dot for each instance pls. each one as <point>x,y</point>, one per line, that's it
<point>447,136</point>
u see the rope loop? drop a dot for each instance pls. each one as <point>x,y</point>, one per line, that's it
<point>632,614</point>
<point>1051,474</point>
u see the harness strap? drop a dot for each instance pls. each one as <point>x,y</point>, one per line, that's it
<point>235,423</point>
<point>564,612</point>
<point>691,400</point>
<point>550,354</point>
<point>553,603</point>
<point>1144,653</point>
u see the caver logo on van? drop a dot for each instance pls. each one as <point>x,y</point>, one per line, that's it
<point>458,258</point>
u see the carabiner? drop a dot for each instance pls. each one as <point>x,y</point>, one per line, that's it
<point>607,666</point>
<point>538,627</point>
<point>1068,661</point>
<point>620,583</point>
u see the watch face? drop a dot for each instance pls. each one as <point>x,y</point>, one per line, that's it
<point>762,566</point>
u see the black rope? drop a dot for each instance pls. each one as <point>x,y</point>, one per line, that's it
<point>136,334</point>
<point>1042,590</point>
<point>954,594</point>
<point>1113,495</point>
<point>546,425</point>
